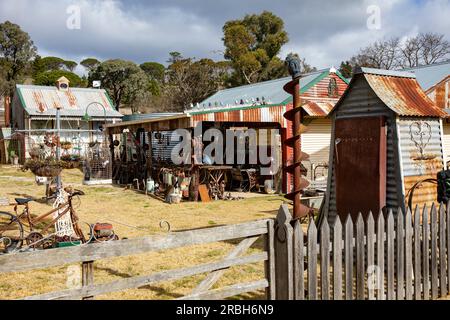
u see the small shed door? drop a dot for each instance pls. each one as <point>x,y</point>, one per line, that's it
<point>360,165</point>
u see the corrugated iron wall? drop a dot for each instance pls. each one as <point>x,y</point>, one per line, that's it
<point>319,92</point>
<point>446,141</point>
<point>440,94</point>
<point>421,156</point>
<point>248,114</point>
<point>162,148</point>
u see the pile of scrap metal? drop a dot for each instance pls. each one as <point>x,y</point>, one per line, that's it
<point>144,161</point>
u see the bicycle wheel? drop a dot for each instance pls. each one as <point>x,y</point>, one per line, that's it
<point>11,232</point>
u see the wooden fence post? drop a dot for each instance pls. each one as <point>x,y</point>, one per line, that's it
<point>325,260</point>
<point>400,255</point>
<point>426,255</point>
<point>417,255</point>
<point>299,262</point>
<point>87,276</point>
<point>390,256</point>
<point>270,263</point>
<point>434,260</point>
<point>348,258</point>
<point>442,252</point>
<point>360,250</point>
<point>371,255</point>
<point>380,256</point>
<point>409,290</point>
<point>284,277</point>
<point>312,261</point>
<point>337,259</point>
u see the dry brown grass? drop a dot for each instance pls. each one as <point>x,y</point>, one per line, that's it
<point>125,208</point>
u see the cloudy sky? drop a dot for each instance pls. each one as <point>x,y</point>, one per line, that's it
<point>324,32</point>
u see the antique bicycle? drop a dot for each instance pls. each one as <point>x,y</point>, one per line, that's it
<point>19,228</point>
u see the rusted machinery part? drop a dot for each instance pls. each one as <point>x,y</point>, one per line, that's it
<point>35,240</point>
<point>165,222</point>
<point>300,183</point>
<point>410,193</point>
<point>159,177</point>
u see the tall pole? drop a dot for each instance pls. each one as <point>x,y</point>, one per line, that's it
<point>295,116</point>
<point>58,146</point>
<point>297,146</point>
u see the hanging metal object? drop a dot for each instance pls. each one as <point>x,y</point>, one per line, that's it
<point>294,115</point>
<point>58,147</point>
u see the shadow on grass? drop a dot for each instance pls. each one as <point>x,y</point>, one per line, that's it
<point>158,290</point>
<point>255,295</point>
<point>161,291</point>
<point>114,272</point>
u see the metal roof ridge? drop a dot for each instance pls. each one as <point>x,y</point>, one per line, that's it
<point>274,80</point>
<point>384,72</point>
<point>423,66</point>
<point>35,86</point>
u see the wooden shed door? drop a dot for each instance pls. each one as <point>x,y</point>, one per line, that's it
<point>360,162</point>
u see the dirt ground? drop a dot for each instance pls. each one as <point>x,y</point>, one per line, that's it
<point>134,214</point>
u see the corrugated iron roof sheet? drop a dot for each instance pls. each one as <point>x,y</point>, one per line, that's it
<point>429,75</point>
<point>399,91</point>
<point>43,101</point>
<point>403,95</point>
<point>145,116</point>
<point>317,109</point>
<point>271,90</point>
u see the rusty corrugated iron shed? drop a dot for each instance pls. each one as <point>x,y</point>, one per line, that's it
<point>399,91</point>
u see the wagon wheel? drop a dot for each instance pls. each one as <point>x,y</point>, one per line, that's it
<point>35,240</point>
<point>11,232</point>
<point>215,187</point>
<point>245,184</point>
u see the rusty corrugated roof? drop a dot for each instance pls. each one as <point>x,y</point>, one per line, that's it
<point>401,92</point>
<point>317,109</point>
<point>43,101</point>
<point>398,90</point>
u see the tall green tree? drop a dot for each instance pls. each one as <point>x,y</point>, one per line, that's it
<point>16,51</point>
<point>174,57</point>
<point>3,83</point>
<point>156,75</point>
<point>252,45</point>
<point>123,80</point>
<point>154,70</point>
<point>48,78</point>
<point>70,65</point>
<point>46,64</point>
<point>191,81</point>
<point>90,63</point>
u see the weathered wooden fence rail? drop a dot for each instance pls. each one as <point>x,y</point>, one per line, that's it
<point>383,256</point>
<point>401,256</point>
<point>88,254</point>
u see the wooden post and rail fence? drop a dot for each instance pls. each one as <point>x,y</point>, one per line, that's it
<point>391,256</point>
